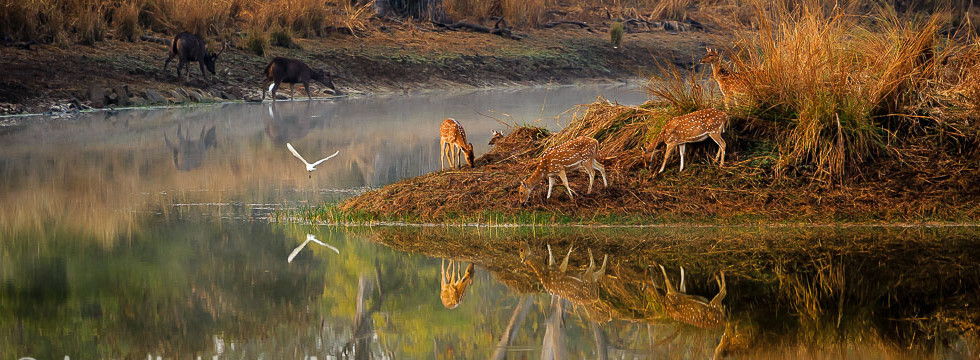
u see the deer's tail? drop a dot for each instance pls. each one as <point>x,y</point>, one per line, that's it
<point>268,71</point>
<point>173,46</point>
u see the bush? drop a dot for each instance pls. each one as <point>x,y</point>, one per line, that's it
<point>282,37</point>
<point>126,19</point>
<point>616,34</point>
<point>90,27</point>
<point>256,41</point>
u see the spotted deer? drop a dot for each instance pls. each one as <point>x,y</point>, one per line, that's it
<point>730,83</point>
<point>691,128</point>
<point>495,136</point>
<point>453,286</point>
<point>578,153</point>
<point>452,141</point>
<point>692,309</point>
<point>581,289</point>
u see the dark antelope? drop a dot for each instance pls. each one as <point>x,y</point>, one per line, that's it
<point>292,71</point>
<point>189,48</point>
<point>189,154</point>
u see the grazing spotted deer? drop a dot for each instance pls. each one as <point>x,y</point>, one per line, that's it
<point>495,136</point>
<point>453,286</point>
<point>189,48</point>
<point>291,71</point>
<point>452,141</point>
<point>578,153</point>
<point>692,309</point>
<point>581,289</point>
<point>730,83</point>
<point>691,128</point>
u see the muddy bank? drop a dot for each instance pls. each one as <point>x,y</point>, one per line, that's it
<point>48,78</point>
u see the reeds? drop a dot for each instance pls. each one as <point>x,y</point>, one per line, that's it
<point>838,85</point>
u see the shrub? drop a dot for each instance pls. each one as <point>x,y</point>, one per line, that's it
<point>126,21</point>
<point>90,26</point>
<point>256,41</point>
<point>616,34</point>
<point>281,37</point>
<point>836,85</point>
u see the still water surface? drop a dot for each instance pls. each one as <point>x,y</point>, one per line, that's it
<point>116,244</point>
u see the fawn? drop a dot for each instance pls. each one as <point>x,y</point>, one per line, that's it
<point>452,141</point>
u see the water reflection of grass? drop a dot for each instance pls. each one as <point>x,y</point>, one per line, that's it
<point>900,291</point>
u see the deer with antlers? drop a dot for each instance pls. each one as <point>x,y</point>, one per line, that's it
<point>452,142</point>
<point>578,153</point>
<point>189,48</point>
<point>691,128</point>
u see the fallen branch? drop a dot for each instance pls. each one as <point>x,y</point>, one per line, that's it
<point>155,39</point>
<point>497,30</point>
<point>23,45</point>
<point>552,24</point>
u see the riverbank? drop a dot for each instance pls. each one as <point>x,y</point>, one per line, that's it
<point>401,59</point>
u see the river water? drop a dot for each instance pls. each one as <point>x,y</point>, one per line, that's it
<point>122,238</point>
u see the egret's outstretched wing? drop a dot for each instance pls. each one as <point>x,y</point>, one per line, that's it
<point>310,237</point>
<point>332,248</point>
<point>326,158</point>
<point>296,251</point>
<point>296,154</point>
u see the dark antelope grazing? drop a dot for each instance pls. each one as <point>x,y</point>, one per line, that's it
<point>452,142</point>
<point>453,285</point>
<point>690,128</point>
<point>292,71</point>
<point>189,154</point>
<point>578,153</point>
<point>189,48</point>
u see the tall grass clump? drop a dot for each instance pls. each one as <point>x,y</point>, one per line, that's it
<point>616,34</point>
<point>520,13</point>
<point>836,84</point>
<point>671,9</point>
<point>256,41</point>
<point>90,26</point>
<point>282,37</point>
<point>125,19</point>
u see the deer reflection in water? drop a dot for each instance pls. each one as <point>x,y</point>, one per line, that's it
<point>692,309</point>
<point>582,290</point>
<point>292,124</point>
<point>189,154</point>
<point>453,285</point>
